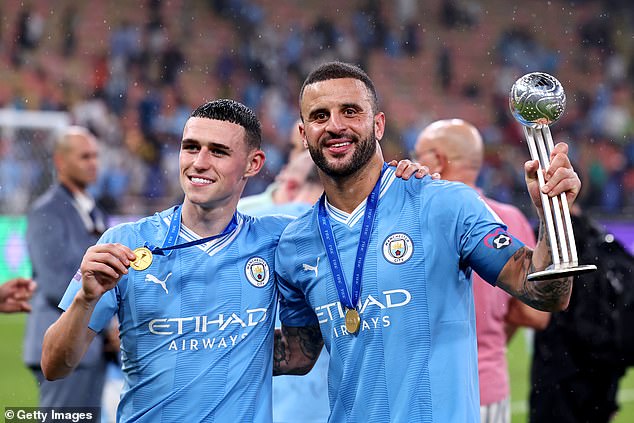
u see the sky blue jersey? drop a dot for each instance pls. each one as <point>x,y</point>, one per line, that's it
<point>414,357</point>
<point>196,327</point>
<point>297,398</point>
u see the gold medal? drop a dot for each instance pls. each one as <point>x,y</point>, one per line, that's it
<point>353,321</point>
<point>143,259</point>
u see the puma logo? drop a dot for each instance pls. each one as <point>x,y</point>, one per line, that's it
<point>310,268</point>
<point>154,279</point>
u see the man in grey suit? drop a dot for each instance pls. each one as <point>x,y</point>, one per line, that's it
<point>62,224</point>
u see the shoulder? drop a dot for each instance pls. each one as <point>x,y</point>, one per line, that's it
<point>437,193</point>
<point>55,198</point>
<point>149,228</point>
<point>426,185</point>
<point>516,222</point>
<point>504,209</point>
<point>271,224</point>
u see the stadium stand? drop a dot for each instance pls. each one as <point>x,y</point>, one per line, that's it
<point>132,71</point>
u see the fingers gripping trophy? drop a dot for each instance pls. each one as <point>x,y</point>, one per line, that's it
<point>537,100</point>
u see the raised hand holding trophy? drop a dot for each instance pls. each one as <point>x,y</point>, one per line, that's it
<point>537,100</point>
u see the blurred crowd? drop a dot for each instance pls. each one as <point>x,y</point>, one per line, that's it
<point>131,72</point>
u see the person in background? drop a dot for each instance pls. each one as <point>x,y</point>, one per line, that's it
<point>297,187</point>
<point>273,195</point>
<point>61,225</point>
<point>454,148</point>
<point>15,295</point>
<point>579,359</point>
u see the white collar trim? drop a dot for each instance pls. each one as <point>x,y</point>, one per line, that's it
<point>351,219</point>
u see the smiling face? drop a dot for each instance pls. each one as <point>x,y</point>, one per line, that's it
<point>215,162</point>
<point>340,128</point>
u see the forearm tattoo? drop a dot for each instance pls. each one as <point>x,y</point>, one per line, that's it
<point>296,349</point>
<point>543,239</point>
<point>542,295</point>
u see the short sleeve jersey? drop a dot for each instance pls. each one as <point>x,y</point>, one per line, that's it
<point>196,326</point>
<point>414,357</point>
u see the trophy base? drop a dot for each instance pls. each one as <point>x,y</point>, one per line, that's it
<point>561,271</point>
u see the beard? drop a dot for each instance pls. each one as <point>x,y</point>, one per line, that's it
<point>363,152</point>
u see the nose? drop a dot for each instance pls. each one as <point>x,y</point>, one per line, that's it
<point>202,159</point>
<point>335,124</point>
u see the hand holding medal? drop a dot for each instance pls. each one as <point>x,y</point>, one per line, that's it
<point>102,267</point>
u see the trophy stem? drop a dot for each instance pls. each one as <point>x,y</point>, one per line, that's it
<point>564,204</point>
<point>550,227</point>
<point>559,224</point>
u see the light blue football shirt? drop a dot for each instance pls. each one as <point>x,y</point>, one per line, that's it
<point>414,358</point>
<point>297,398</point>
<point>197,325</point>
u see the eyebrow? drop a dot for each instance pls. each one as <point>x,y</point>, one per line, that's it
<point>208,144</point>
<point>351,105</point>
<point>342,106</point>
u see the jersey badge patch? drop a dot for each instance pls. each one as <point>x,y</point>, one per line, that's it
<point>498,239</point>
<point>257,271</point>
<point>398,248</point>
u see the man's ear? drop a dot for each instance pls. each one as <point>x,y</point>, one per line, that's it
<point>58,161</point>
<point>302,133</point>
<point>256,162</point>
<point>441,160</point>
<point>379,125</point>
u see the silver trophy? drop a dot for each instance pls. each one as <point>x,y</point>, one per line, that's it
<point>537,100</point>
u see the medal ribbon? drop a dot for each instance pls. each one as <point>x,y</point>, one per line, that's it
<point>174,230</point>
<point>328,239</point>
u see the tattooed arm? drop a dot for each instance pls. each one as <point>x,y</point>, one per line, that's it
<point>548,295</point>
<point>296,350</point>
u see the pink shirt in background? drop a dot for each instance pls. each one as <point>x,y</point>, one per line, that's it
<point>491,307</point>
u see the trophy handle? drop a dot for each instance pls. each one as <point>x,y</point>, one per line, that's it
<point>564,203</point>
<point>561,237</point>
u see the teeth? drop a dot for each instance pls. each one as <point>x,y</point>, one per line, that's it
<point>340,144</point>
<point>200,181</point>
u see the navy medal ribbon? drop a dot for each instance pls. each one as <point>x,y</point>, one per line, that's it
<point>174,229</point>
<point>350,302</point>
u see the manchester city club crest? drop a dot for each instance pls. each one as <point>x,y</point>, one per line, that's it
<point>257,271</point>
<point>398,248</point>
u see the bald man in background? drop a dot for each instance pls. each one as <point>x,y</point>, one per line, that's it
<point>61,225</point>
<point>454,148</point>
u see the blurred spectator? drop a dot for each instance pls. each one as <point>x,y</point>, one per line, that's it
<point>70,20</point>
<point>61,225</point>
<point>583,353</point>
<point>444,72</point>
<point>172,61</point>
<point>29,29</point>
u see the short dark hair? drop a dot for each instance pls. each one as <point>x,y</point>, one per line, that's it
<point>339,70</point>
<point>234,112</point>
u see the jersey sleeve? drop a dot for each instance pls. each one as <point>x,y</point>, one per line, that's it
<point>295,311</point>
<point>107,305</point>
<point>483,241</point>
